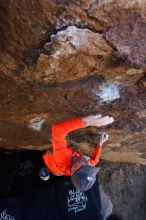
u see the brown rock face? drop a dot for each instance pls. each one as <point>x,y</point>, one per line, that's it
<point>126,32</point>
<point>61,59</point>
<point>126,189</point>
<point>81,49</point>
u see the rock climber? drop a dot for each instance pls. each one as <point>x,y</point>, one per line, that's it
<point>65,160</point>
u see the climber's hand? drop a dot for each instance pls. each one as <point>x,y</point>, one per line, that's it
<point>104,138</point>
<point>97,120</point>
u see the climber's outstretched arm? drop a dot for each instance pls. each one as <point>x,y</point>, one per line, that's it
<point>61,129</point>
<point>96,153</point>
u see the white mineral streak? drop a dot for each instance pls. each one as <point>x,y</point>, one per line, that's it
<point>36,123</point>
<point>108,92</point>
<point>67,39</point>
<point>73,40</point>
<point>76,36</point>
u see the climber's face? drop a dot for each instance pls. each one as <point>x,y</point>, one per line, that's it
<point>79,162</point>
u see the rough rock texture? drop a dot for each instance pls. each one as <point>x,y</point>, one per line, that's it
<point>126,32</point>
<point>126,188</point>
<point>61,59</point>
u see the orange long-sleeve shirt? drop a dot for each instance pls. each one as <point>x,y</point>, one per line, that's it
<point>60,161</point>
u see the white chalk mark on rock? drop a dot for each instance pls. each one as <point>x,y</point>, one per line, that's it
<point>108,92</point>
<point>36,123</point>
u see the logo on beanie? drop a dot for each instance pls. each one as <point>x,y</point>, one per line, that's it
<point>77,201</point>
